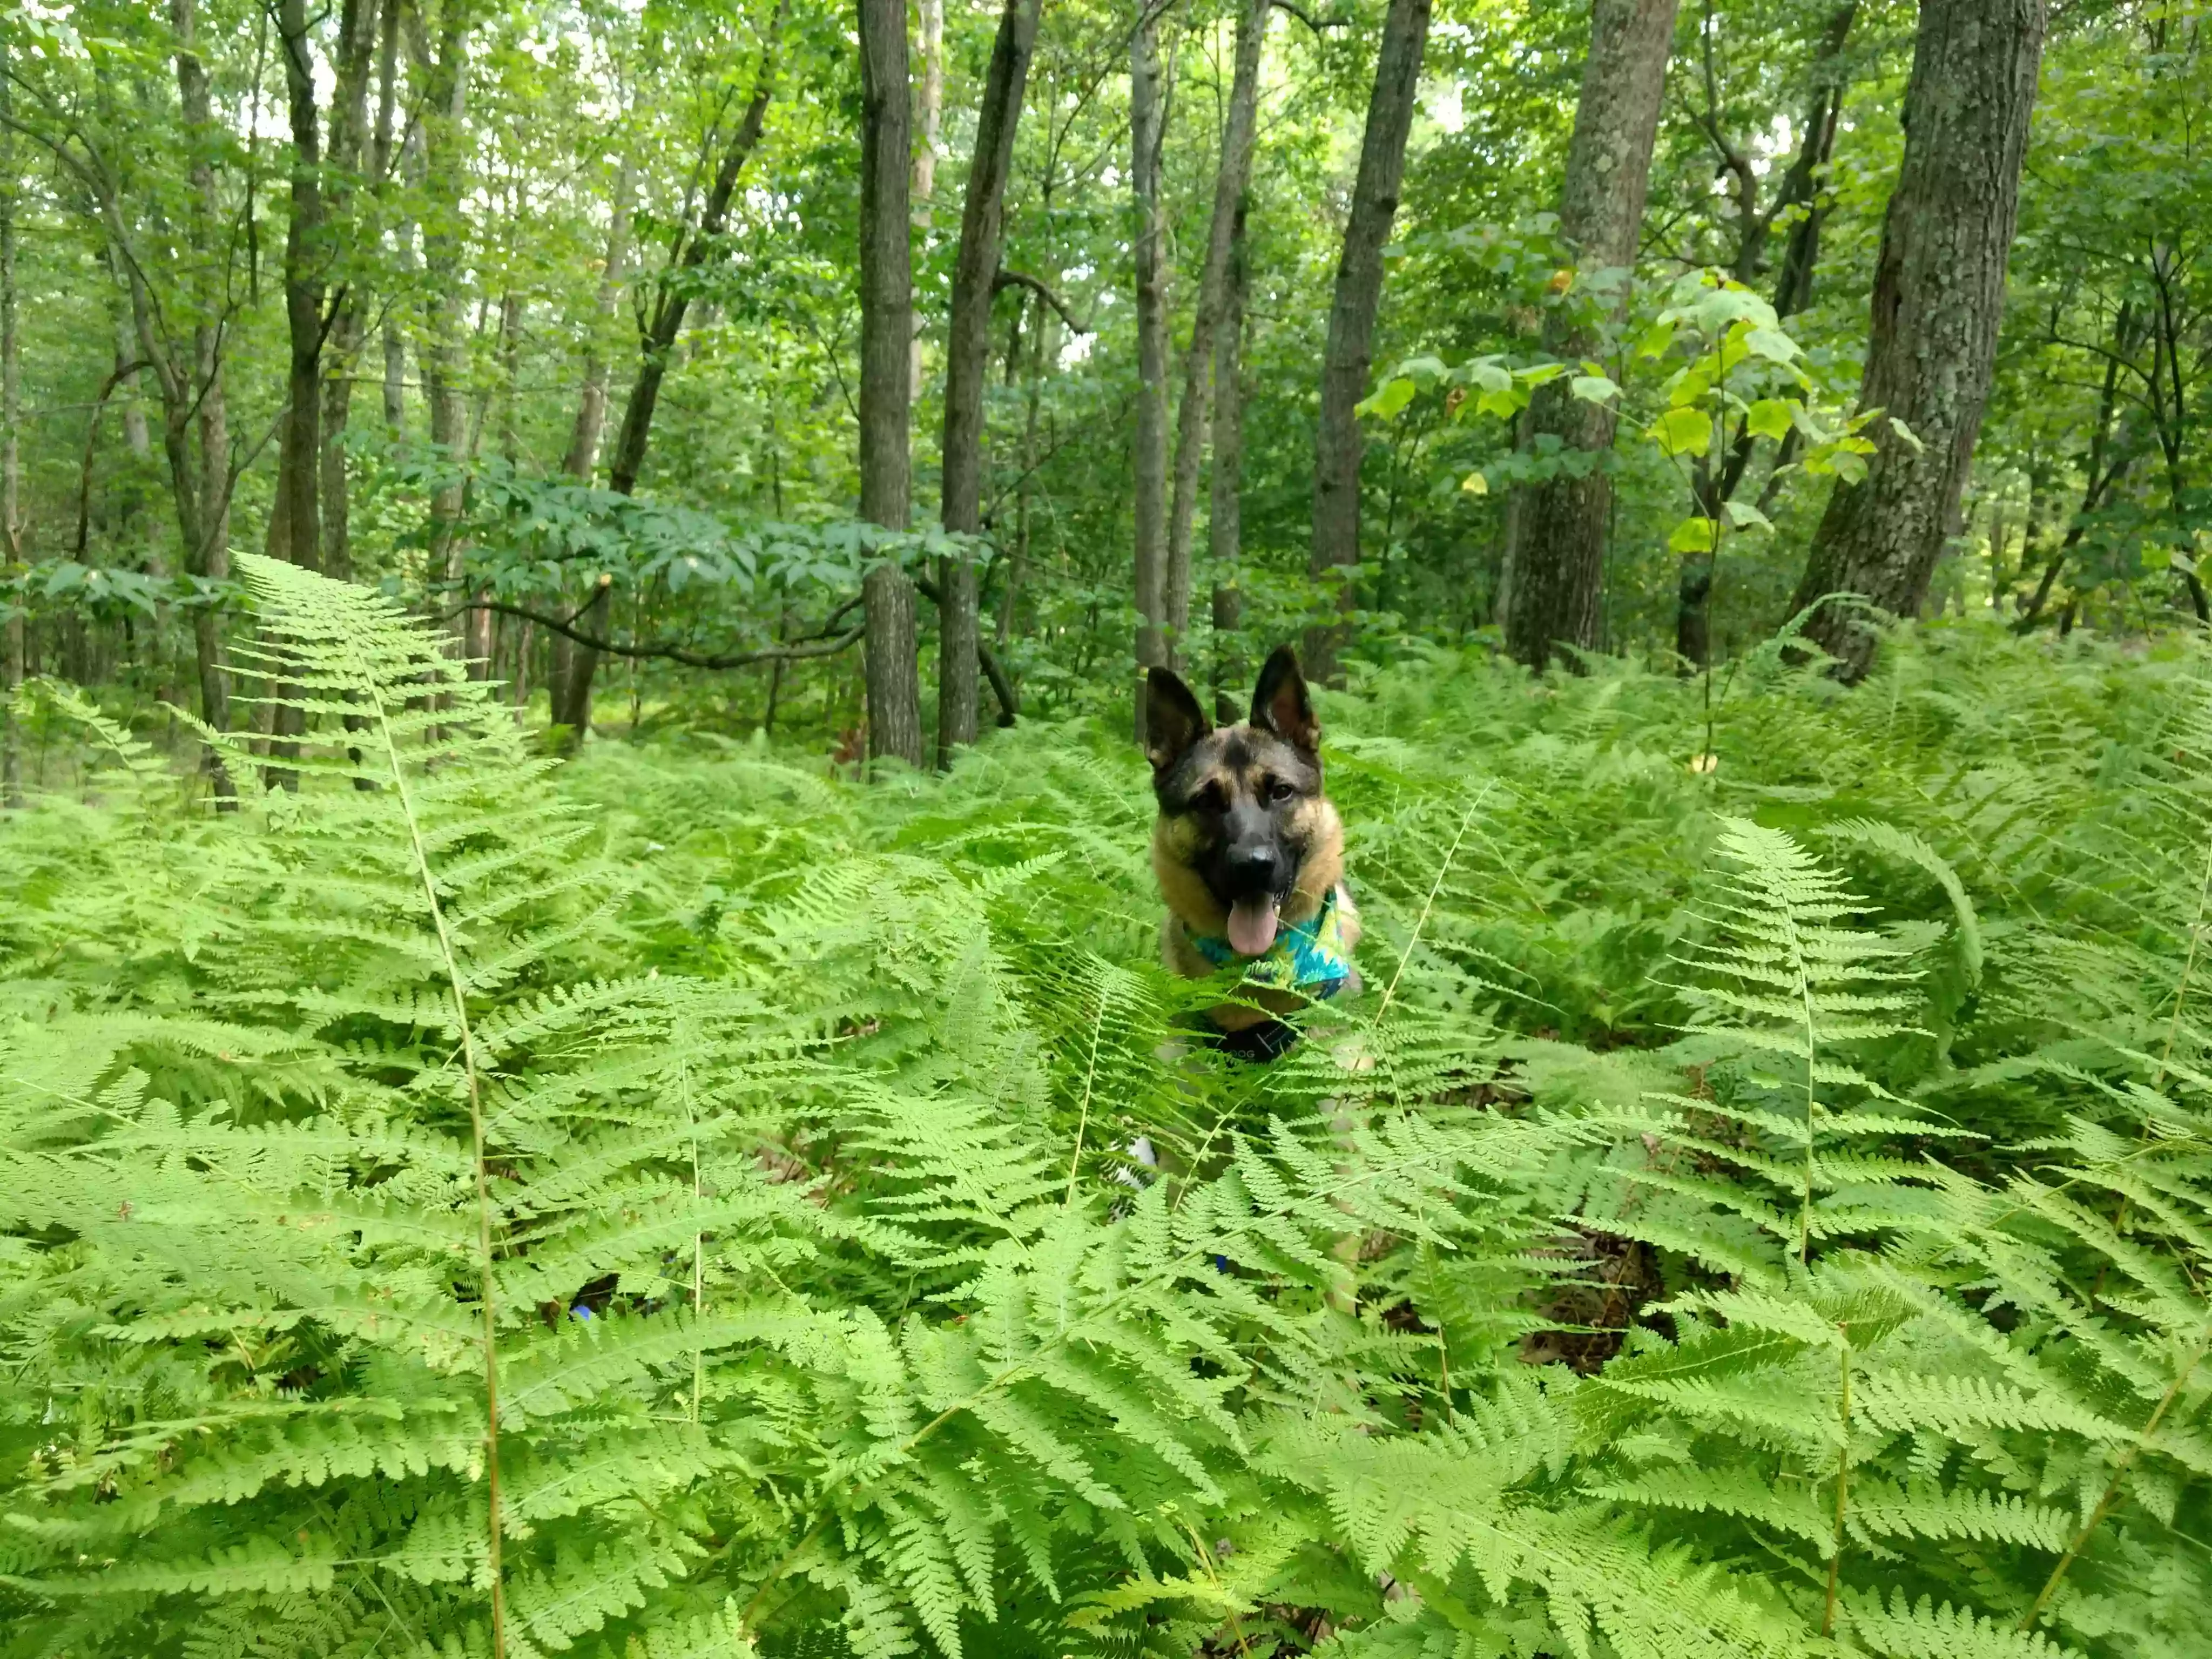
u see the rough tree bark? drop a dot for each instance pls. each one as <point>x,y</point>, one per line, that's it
<point>1938,294</point>
<point>690,248</point>
<point>967,365</point>
<point>1555,548</point>
<point>1149,467</point>
<point>894,682</point>
<point>1358,295</point>
<point>1232,176</point>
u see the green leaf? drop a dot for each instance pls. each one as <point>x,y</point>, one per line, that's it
<point>1693,535</point>
<point>1748,517</point>
<point>1769,418</point>
<point>1594,388</point>
<point>1475,484</point>
<point>1682,431</point>
<point>1773,344</point>
<point>1907,436</point>
<point>1656,340</point>
<point>1387,403</point>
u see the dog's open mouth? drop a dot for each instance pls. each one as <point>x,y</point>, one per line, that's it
<point>1252,925</point>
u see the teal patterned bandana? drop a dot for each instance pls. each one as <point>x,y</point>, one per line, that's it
<point>1307,955</point>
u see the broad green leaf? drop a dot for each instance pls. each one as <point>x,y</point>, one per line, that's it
<point>1769,418</point>
<point>1386,403</point>
<point>1910,438</point>
<point>1656,340</point>
<point>1690,387</point>
<point>1475,484</point>
<point>1489,375</point>
<point>1774,344</point>
<point>1693,535</point>
<point>1594,388</point>
<point>1681,431</point>
<point>1504,405</point>
<point>1748,517</point>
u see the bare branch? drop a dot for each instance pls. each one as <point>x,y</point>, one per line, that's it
<point>675,654</point>
<point>1306,17</point>
<point>1007,279</point>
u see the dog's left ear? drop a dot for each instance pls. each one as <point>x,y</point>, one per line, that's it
<point>1280,704</point>
<point>1173,720</point>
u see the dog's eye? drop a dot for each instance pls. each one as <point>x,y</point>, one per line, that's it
<point>1209,800</point>
<point>1277,791</point>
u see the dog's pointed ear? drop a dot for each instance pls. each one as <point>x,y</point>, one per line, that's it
<point>1173,720</point>
<point>1280,703</point>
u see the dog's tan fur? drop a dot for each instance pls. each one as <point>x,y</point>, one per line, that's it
<point>1242,762</point>
<point>1192,910</point>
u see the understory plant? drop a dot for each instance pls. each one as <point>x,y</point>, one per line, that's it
<point>680,1201</point>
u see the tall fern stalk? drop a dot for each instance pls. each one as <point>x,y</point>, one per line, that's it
<point>2112,1489</point>
<point>1842,1482</point>
<point>486,1288</point>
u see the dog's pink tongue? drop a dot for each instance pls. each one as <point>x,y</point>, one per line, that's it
<point>1252,926</point>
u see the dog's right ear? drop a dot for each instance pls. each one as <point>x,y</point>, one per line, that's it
<point>1173,720</point>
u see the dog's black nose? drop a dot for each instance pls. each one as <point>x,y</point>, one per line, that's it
<point>1253,869</point>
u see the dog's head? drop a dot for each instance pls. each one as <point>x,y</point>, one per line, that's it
<point>1241,807</point>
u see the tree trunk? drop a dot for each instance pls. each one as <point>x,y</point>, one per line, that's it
<point>1232,176</point>
<point>352,143</point>
<point>300,448</point>
<point>134,522</point>
<point>1793,292</point>
<point>1358,295</point>
<point>568,703</point>
<point>583,456</point>
<point>202,491</point>
<point>11,463</point>
<point>1555,549</point>
<point>967,365</point>
<point>931,111</point>
<point>445,158</point>
<point>2103,468</point>
<point>409,166</point>
<point>1149,467</point>
<point>691,249</point>
<point>1225,524</point>
<point>886,392</point>
<point>1938,294</point>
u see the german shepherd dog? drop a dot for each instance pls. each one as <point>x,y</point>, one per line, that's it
<point>1250,853</point>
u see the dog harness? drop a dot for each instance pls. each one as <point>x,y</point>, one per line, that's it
<point>1307,956</point>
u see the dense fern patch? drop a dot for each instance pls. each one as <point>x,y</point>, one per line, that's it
<point>681,1202</point>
